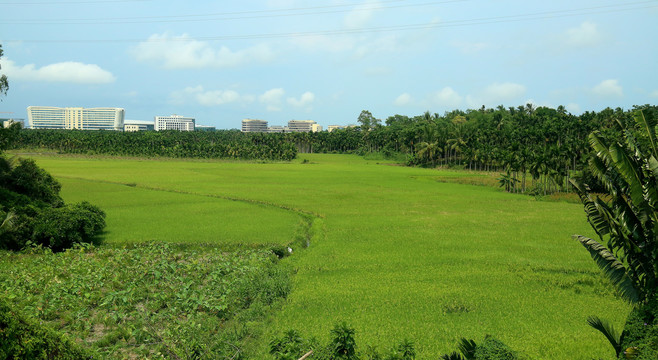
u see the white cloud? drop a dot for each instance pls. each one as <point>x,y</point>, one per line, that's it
<point>200,96</point>
<point>66,72</point>
<point>587,34</point>
<point>183,52</point>
<point>305,100</point>
<point>360,15</point>
<point>403,100</point>
<point>272,99</point>
<point>447,97</point>
<point>505,92</point>
<point>574,108</point>
<point>654,94</point>
<point>608,88</point>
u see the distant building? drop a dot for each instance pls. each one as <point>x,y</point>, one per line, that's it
<point>204,128</point>
<point>276,129</point>
<point>174,122</point>
<point>254,125</point>
<point>8,122</point>
<point>138,125</point>
<point>303,126</point>
<point>47,117</point>
<point>331,128</point>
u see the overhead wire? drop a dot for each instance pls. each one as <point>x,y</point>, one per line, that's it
<point>67,2</point>
<point>442,24</point>
<point>238,15</point>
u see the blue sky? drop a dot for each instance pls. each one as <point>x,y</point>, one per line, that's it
<point>326,60</point>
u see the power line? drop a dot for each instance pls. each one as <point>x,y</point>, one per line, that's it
<point>240,15</point>
<point>431,25</point>
<point>70,2</point>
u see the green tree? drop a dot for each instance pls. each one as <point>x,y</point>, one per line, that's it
<point>368,121</point>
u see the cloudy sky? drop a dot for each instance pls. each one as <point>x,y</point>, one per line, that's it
<point>326,60</point>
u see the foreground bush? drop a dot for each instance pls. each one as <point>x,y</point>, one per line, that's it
<point>33,213</point>
<point>639,339</point>
<point>21,338</point>
<point>61,228</point>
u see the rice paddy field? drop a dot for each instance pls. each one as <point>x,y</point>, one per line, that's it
<point>397,252</point>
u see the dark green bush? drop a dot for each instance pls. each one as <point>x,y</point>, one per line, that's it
<point>26,178</point>
<point>494,349</point>
<point>640,336</point>
<point>60,228</point>
<point>291,346</point>
<point>23,339</point>
<point>343,344</point>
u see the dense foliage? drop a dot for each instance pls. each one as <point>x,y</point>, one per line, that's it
<point>150,301</point>
<point>547,145</point>
<point>626,219</point>
<point>22,338</point>
<point>32,211</point>
<point>228,144</point>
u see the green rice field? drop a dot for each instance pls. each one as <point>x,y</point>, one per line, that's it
<point>396,253</point>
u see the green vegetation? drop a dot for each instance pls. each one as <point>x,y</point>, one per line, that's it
<point>231,144</point>
<point>625,221</point>
<point>23,338</point>
<point>148,301</point>
<point>537,149</point>
<point>395,251</point>
<point>32,211</point>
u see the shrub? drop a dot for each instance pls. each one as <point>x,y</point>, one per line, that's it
<point>494,349</point>
<point>28,179</point>
<point>343,343</point>
<point>22,339</point>
<point>640,336</point>
<point>60,228</point>
<point>290,346</point>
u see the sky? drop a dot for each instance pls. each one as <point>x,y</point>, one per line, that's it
<point>325,60</point>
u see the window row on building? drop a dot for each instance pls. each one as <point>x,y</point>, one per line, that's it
<point>255,125</point>
<point>47,117</point>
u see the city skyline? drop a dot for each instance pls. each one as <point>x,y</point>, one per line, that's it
<point>288,59</point>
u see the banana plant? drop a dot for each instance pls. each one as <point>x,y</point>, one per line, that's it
<point>625,218</point>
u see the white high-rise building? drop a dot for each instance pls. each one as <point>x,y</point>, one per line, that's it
<point>48,117</point>
<point>174,122</point>
<point>254,125</point>
<point>303,126</point>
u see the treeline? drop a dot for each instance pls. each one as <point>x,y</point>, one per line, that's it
<point>226,144</point>
<point>537,149</point>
